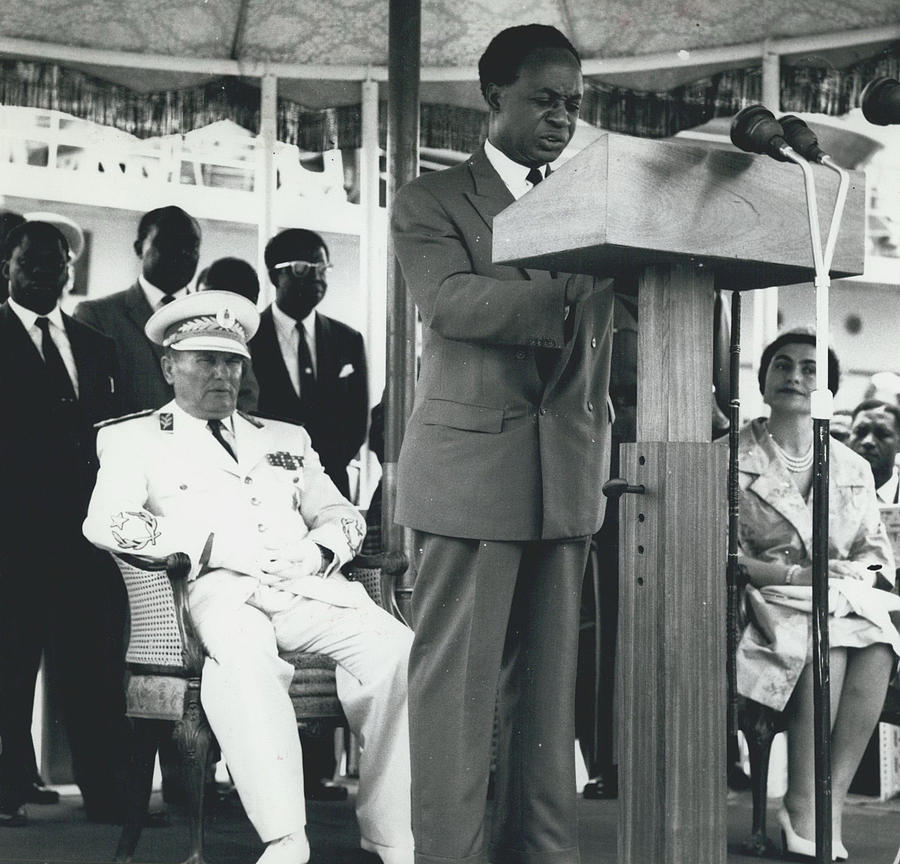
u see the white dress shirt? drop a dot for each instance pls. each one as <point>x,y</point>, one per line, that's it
<point>888,492</point>
<point>57,331</point>
<point>155,295</point>
<point>286,329</point>
<point>511,173</point>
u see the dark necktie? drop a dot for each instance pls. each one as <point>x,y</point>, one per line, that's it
<point>307,376</point>
<point>534,176</point>
<point>215,426</point>
<point>56,369</point>
<point>166,299</point>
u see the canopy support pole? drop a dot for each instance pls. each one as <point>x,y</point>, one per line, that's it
<point>404,53</point>
<point>268,128</point>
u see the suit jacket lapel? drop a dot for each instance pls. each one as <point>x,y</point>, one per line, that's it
<point>270,353</point>
<point>138,310</point>
<point>85,362</point>
<point>24,355</point>
<point>491,195</point>
<point>326,359</point>
<point>19,345</point>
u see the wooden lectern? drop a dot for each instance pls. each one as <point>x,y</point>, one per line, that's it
<point>686,219</point>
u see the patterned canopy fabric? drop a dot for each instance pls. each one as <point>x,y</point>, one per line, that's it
<point>323,114</point>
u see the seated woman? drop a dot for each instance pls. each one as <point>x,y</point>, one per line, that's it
<point>774,658</point>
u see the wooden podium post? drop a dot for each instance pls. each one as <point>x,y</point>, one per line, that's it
<point>688,220</point>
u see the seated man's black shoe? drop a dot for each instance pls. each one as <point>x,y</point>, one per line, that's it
<point>324,791</point>
<point>38,793</point>
<point>604,786</point>
<point>13,817</point>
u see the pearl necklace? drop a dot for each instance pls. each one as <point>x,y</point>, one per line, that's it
<point>794,464</point>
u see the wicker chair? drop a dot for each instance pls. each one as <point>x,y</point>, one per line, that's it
<point>164,662</point>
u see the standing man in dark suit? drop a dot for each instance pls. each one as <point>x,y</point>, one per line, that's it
<point>499,476</point>
<point>57,378</point>
<point>168,246</point>
<point>311,369</point>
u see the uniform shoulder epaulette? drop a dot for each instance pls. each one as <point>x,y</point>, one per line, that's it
<point>113,420</point>
<point>251,418</point>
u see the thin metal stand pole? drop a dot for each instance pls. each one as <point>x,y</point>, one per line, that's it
<point>733,588</point>
<point>821,405</point>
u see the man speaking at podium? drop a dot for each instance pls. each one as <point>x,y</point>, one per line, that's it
<point>499,476</point>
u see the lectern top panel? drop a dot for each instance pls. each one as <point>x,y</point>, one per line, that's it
<point>625,202</point>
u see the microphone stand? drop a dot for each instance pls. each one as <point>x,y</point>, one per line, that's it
<point>821,404</point>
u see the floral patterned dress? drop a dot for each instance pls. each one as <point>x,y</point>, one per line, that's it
<point>776,526</point>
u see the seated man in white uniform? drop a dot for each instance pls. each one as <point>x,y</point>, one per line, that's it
<point>267,532</point>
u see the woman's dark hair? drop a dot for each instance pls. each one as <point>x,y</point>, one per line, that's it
<point>503,58</point>
<point>805,336</point>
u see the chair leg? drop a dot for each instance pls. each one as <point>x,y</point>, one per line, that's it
<point>145,737</point>
<point>196,745</point>
<point>758,724</point>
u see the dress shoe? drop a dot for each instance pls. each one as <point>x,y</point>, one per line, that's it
<point>293,849</point>
<point>14,817</point>
<point>799,848</point>
<point>37,793</point>
<point>325,792</point>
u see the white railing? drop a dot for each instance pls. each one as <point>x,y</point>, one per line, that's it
<point>211,172</point>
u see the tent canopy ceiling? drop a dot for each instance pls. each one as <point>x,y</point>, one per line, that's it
<point>354,33</point>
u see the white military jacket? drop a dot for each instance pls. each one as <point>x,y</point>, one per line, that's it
<point>166,485</point>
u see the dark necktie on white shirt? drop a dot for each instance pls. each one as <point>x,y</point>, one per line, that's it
<point>534,176</point>
<point>217,427</point>
<point>307,377</point>
<point>56,369</point>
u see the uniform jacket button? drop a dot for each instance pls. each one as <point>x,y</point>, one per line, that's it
<point>248,480</point>
<point>593,342</point>
<point>590,406</point>
<point>261,528</point>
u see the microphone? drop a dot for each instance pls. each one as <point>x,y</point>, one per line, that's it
<point>802,138</point>
<point>754,129</point>
<point>880,101</point>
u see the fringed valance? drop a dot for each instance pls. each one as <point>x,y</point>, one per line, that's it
<point>647,114</point>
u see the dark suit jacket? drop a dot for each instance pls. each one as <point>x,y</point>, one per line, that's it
<point>492,451</point>
<point>337,422</point>
<point>48,461</point>
<point>122,317</point>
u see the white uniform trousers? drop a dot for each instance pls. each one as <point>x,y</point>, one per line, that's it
<point>245,695</point>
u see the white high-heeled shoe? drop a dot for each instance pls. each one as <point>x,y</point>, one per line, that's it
<point>292,849</point>
<point>794,844</point>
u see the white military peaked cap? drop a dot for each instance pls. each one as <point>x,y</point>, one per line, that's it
<point>205,321</point>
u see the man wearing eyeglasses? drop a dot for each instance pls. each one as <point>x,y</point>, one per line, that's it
<point>311,368</point>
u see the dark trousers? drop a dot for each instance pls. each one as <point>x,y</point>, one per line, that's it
<point>71,605</point>
<point>496,623</point>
